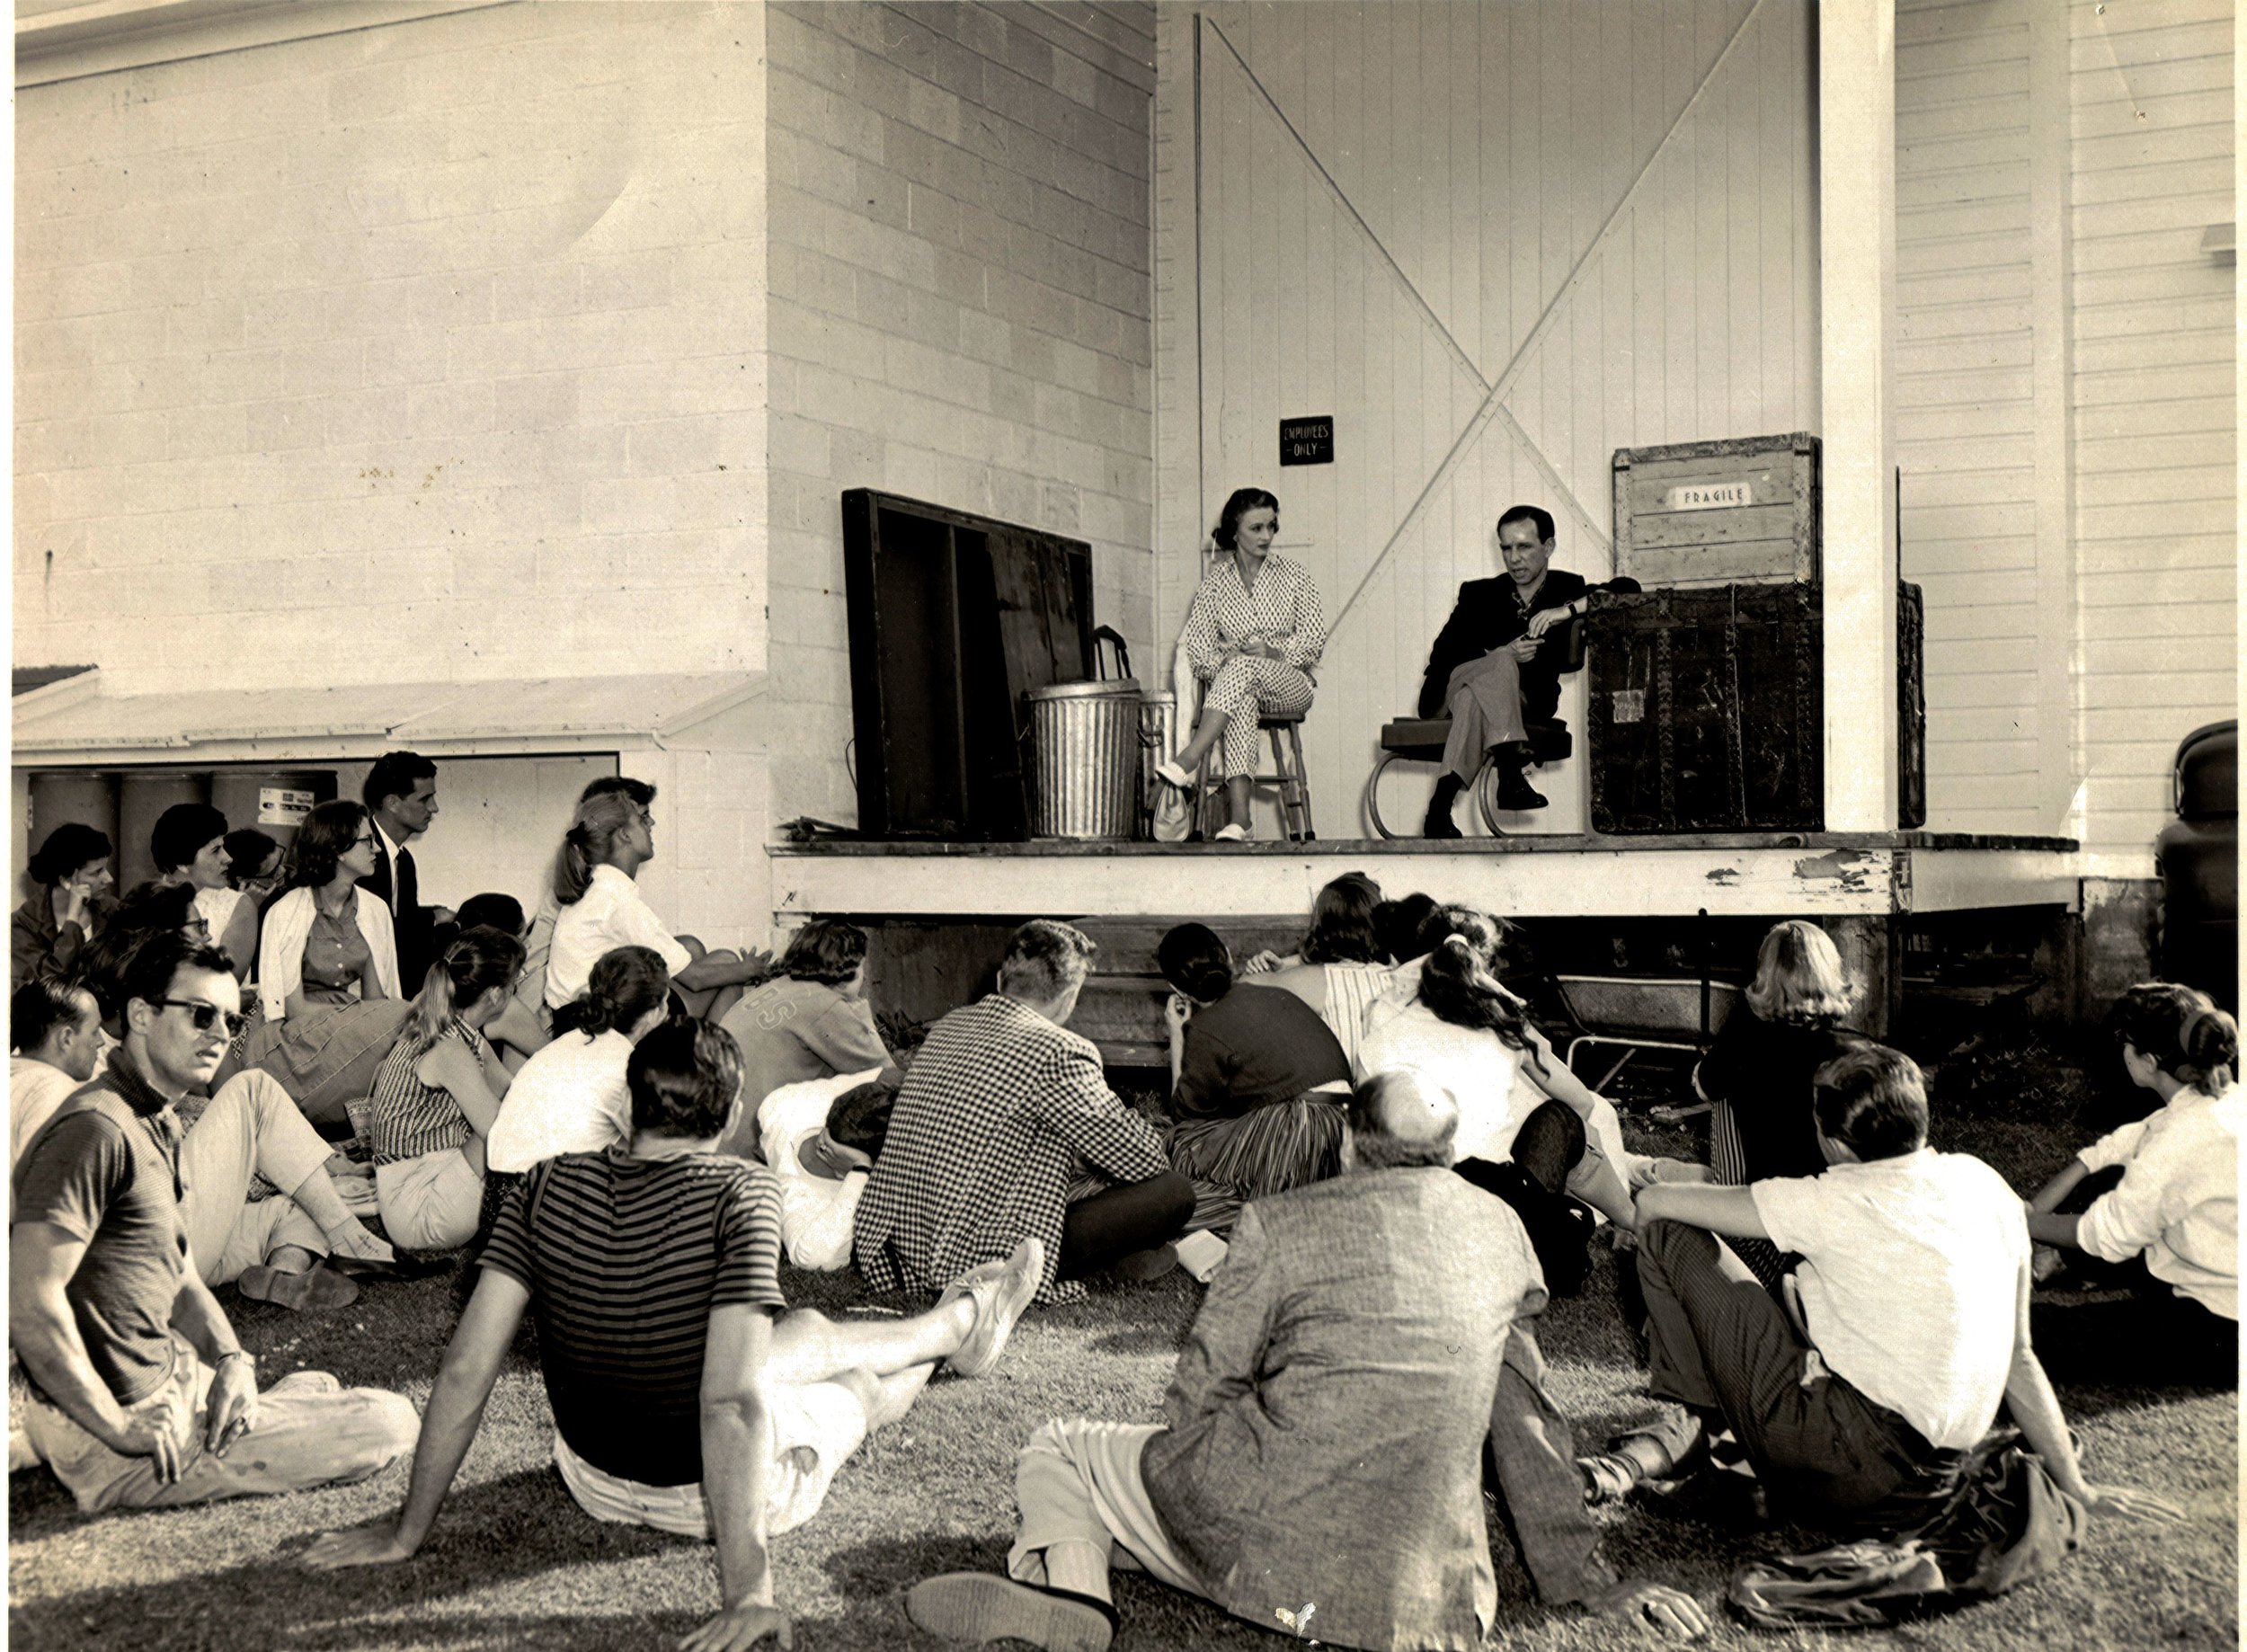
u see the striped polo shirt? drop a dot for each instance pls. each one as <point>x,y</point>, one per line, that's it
<point>408,1118</point>
<point>624,1259</point>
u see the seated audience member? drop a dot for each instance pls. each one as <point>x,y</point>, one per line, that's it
<point>257,867</point>
<point>143,1396</point>
<point>400,792</point>
<point>601,908</point>
<point>1319,1461</point>
<point>2170,1221</point>
<point>1256,1079</point>
<point>539,943</point>
<point>571,1097</point>
<point>1492,669</point>
<point>71,879</point>
<point>1760,1074</point>
<point>438,1094</point>
<point>188,845</point>
<point>1410,948</point>
<point>821,1137</point>
<point>518,1032</point>
<point>1397,926</point>
<point>1534,1180</point>
<point>55,1030</point>
<point>685,1396</point>
<point>327,942</point>
<point>1913,1327</point>
<point>810,1021</point>
<point>1005,1115</point>
<point>143,912</point>
<point>1466,1034</point>
<point>1341,968</point>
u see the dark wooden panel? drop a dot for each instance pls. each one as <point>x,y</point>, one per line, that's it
<point>1707,709</point>
<point>953,618</point>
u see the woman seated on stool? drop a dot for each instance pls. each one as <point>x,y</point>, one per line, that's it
<point>327,942</point>
<point>190,847</point>
<point>438,1095</point>
<point>1253,634</point>
<point>601,909</point>
<point>1259,1082</point>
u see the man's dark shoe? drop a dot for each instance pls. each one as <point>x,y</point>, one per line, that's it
<point>1514,793</point>
<point>977,1607</point>
<point>1439,822</point>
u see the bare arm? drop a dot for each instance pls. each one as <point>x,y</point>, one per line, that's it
<point>449,1426</point>
<point>240,940</point>
<point>478,1085</point>
<point>232,1403</point>
<point>42,1260</point>
<point>736,1469</point>
<point>2036,1409</point>
<point>1729,1211</point>
<point>2049,1196</point>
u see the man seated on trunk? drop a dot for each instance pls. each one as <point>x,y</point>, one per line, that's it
<point>1005,1129</point>
<point>1913,1324</point>
<point>1318,1466</point>
<point>144,1396</point>
<point>685,1396</point>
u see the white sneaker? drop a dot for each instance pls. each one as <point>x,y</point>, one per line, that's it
<point>1200,1253</point>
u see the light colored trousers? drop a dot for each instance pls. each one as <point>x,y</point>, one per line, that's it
<point>250,1128</point>
<point>1245,688</point>
<point>431,1203</point>
<point>815,1427</point>
<point>1078,1482</point>
<point>310,1431</point>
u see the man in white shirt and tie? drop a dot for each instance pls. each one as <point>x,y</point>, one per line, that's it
<point>401,795</point>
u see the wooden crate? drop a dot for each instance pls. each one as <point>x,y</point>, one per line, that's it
<point>1704,513</point>
<point>1707,710</point>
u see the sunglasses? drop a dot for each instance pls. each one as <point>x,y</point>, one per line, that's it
<point>204,1015</point>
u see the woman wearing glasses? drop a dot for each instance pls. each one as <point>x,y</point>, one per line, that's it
<point>328,942</point>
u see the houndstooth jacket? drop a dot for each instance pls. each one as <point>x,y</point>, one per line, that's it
<point>997,1113</point>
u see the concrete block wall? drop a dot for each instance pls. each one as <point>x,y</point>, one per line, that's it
<point>431,351</point>
<point>960,309</point>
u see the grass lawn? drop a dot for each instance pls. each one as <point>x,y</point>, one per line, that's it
<point>513,1562</point>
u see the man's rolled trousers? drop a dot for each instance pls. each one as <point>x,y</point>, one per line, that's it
<point>1472,674</point>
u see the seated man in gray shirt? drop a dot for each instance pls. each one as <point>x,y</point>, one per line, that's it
<point>1318,1465</point>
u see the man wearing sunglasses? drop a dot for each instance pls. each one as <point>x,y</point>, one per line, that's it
<point>143,1396</point>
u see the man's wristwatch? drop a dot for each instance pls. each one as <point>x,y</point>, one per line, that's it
<point>235,1353</point>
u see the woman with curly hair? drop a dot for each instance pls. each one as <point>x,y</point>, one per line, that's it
<point>810,1021</point>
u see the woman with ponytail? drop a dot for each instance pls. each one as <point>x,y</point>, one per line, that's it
<point>571,1097</point>
<point>2171,1220</point>
<point>1466,1033</point>
<point>1257,1079</point>
<point>600,908</point>
<point>438,1095</point>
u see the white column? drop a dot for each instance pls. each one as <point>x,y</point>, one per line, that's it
<point>1856,361</point>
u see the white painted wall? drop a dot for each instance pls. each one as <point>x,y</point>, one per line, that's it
<point>1385,227</point>
<point>425,351</point>
<point>959,299</point>
<point>2154,395</point>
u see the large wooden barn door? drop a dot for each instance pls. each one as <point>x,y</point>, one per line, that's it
<point>1495,243</point>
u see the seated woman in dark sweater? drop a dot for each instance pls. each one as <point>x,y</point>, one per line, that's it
<point>1257,1079</point>
<point>1760,1073</point>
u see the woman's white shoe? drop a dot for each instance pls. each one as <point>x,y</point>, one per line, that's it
<point>1169,772</point>
<point>1234,832</point>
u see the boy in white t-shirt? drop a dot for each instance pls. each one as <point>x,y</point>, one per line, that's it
<point>820,1138</point>
<point>1914,1302</point>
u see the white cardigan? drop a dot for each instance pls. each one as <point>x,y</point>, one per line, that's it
<point>280,951</point>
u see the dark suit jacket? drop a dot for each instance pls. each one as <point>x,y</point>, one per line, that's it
<point>1488,615</point>
<point>411,922</point>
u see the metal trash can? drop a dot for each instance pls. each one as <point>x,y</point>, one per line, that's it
<point>1085,756</point>
<point>1157,743</point>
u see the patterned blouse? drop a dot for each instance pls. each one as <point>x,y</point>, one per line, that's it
<point>1283,607</point>
<point>408,1118</point>
<point>335,958</point>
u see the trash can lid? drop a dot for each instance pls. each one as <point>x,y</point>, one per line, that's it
<point>1084,690</point>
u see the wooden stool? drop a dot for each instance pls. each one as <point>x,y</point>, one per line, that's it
<point>1288,774</point>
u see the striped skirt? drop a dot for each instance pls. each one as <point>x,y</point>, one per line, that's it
<point>1264,1151</point>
